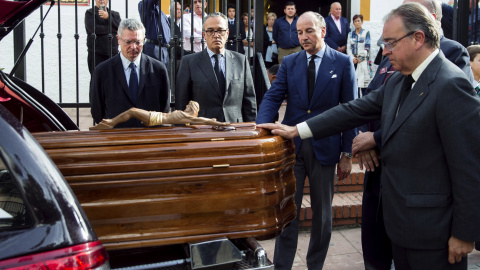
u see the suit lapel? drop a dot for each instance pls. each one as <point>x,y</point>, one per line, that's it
<point>416,96</point>
<point>335,25</point>
<point>343,24</point>
<point>301,77</point>
<point>205,65</point>
<point>324,74</point>
<point>230,62</point>
<point>120,74</point>
<point>143,73</point>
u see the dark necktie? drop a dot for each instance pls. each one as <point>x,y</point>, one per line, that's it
<point>311,76</point>
<point>133,83</point>
<point>406,87</point>
<point>219,74</point>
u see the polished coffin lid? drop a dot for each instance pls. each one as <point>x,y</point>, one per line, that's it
<point>173,185</point>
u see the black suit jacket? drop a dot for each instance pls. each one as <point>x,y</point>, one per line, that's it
<point>197,81</point>
<point>429,181</point>
<point>232,37</point>
<point>102,29</point>
<point>109,95</point>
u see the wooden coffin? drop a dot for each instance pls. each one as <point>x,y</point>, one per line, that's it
<point>173,185</point>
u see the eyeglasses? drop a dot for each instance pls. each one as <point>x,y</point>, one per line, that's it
<point>211,32</point>
<point>130,42</point>
<point>389,45</point>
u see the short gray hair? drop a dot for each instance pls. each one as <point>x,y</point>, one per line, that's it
<point>318,19</point>
<point>213,15</point>
<point>335,3</point>
<point>132,25</point>
<point>415,17</point>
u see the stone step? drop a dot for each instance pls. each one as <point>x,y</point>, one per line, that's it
<point>347,200</point>
<point>346,209</point>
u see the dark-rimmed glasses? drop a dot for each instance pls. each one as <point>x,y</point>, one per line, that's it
<point>211,32</point>
<point>389,45</point>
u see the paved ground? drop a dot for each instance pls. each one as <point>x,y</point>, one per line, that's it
<point>345,251</point>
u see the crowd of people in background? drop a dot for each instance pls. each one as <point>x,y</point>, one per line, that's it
<point>314,64</point>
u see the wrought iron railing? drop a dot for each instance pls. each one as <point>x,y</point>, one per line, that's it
<point>176,43</point>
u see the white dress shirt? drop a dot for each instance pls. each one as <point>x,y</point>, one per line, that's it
<point>197,34</point>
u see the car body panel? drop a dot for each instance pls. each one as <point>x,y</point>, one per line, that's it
<point>56,218</point>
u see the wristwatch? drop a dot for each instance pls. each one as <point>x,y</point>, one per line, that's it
<point>348,155</point>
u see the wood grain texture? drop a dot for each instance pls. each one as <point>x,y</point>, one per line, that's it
<point>149,187</point>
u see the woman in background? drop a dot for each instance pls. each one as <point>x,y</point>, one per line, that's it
<point>249,33</point>
<point>358,48</point>
<point>270,48</point>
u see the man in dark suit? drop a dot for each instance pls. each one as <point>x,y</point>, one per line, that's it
<point>101,44</point>
<point>337,28</point>
<point>218,79</point>
<point>313,80</point>
<point>234,41</point>
<point>376,246</point>
<point>429,187</point>
<point>149,11</point>
<point>130,79</point>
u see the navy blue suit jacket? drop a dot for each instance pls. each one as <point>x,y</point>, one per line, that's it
<point>109,94</point>
<point>333,38</point>
<point>336,83</point>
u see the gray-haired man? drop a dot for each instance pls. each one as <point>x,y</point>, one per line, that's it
<point>130,79</point>
<point>218,79</point>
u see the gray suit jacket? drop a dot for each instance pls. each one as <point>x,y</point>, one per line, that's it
<point>197,81</point>
<point>431,166</point>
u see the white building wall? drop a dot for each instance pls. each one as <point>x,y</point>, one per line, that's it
<point>378,10</point>
<point>68,57</point>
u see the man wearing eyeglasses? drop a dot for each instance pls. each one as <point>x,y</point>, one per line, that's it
<point>218,79</point>
<point>376,244</point>
<point>429,189</point>
<point>130,79</point>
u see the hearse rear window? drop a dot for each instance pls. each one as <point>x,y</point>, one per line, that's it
<point>13,213</point>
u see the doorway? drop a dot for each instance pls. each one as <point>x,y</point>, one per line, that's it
<point>320,6</point>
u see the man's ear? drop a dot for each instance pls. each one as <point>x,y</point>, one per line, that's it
<point>419,37</point>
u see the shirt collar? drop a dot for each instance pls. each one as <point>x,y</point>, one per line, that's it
<point>419,70</point>
<point>335,19</point>
<point>319,54</point>
<point>126,62</point>
<point>211,53</point>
